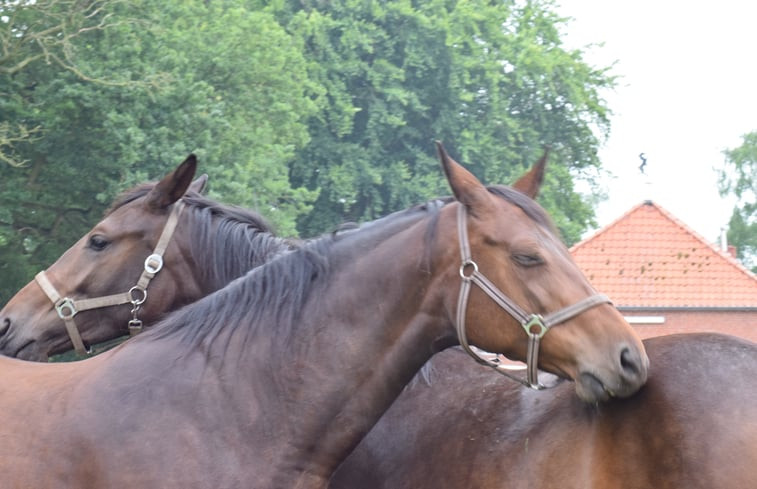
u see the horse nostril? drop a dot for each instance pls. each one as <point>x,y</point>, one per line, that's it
<point>630,362</point>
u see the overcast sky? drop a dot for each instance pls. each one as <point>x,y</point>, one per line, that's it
<point>687,91</point>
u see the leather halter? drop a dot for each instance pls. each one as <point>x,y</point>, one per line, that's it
<point>67,307</point>
<point>535,325</point>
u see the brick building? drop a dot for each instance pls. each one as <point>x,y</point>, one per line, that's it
<point>665,278</point>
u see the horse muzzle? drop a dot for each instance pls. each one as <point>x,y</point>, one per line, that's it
<point>623,379</point>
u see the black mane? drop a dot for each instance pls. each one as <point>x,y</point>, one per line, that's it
<point>228,240</point>
<point>276,292</point>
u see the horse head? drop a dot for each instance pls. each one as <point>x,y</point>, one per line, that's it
<point>524,296</point>
<point>102,280</point>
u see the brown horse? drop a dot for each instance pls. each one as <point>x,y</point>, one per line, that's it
<point>271,381</point>
<point>457,425</point>
<point>212,244</point>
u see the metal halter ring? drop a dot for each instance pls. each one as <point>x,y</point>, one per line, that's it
<point>466,264</point>
<point>134,300</point>
<point>535,320</point>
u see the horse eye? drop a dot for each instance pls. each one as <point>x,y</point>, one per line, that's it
<point>526,260</point>
<point>97,242</point>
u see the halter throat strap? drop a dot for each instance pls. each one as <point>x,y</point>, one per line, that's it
<point>67,307</point>
<point>535,325</point>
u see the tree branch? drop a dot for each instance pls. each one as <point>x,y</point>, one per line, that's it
<point>9,137</point>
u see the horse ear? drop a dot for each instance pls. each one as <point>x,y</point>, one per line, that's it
<point>467,188</point>
<point>174,185</point>
<point>530,182</point>
<point>199,184</point>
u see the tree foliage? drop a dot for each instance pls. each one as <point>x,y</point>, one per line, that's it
<point>490,79</point>
<point>170,78</point>
<point>311,112</point>
<point>43,31</point>
<point>739,178</point>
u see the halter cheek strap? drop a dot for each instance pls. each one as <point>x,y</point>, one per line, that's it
<point>67,308</point>
<point>535,325</point>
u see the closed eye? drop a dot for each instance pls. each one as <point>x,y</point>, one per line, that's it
<point>527,260</point>
<point>97,242</point>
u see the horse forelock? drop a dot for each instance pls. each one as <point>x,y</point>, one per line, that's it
<point>129,196</point>
<point>533,210</point>
<point>194,199</point>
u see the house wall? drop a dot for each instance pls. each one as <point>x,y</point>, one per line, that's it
<point>737,323</point>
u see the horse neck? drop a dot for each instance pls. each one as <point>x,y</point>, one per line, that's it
<point>351,355</point>
<point>223,248</point>
<point>308,350</point>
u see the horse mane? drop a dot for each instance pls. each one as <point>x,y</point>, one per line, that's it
<point>230,240</point>
<point>238,241</point>
<point>275,293</point>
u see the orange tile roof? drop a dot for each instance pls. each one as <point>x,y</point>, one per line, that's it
<point>648,258</point>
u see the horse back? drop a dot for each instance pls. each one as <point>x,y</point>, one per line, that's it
<point>693,425</point>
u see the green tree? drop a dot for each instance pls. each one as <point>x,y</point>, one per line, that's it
<point>44,31</point>
<point>311,112</point>
<point>739,178</point>
<point>38,56</point>
<point>239,97</point>
<point>215,79</point>
<point>489,78</point>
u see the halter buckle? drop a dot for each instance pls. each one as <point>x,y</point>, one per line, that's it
<point>153,263</point>
<point>535,320</point>
<point>66,308</point>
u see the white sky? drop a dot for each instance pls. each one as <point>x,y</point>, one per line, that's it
<point>687,91</point>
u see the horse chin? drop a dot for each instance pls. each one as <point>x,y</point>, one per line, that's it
<point>591,389</point>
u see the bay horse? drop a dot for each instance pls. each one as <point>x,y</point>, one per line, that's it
<point>457,425</point>
<point>105,273</point>
<point>271,381</point>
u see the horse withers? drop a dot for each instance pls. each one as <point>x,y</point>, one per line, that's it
<point>135,265</point>
<point>274,379</point>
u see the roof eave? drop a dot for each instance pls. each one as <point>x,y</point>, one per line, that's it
<point>687,308</point>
